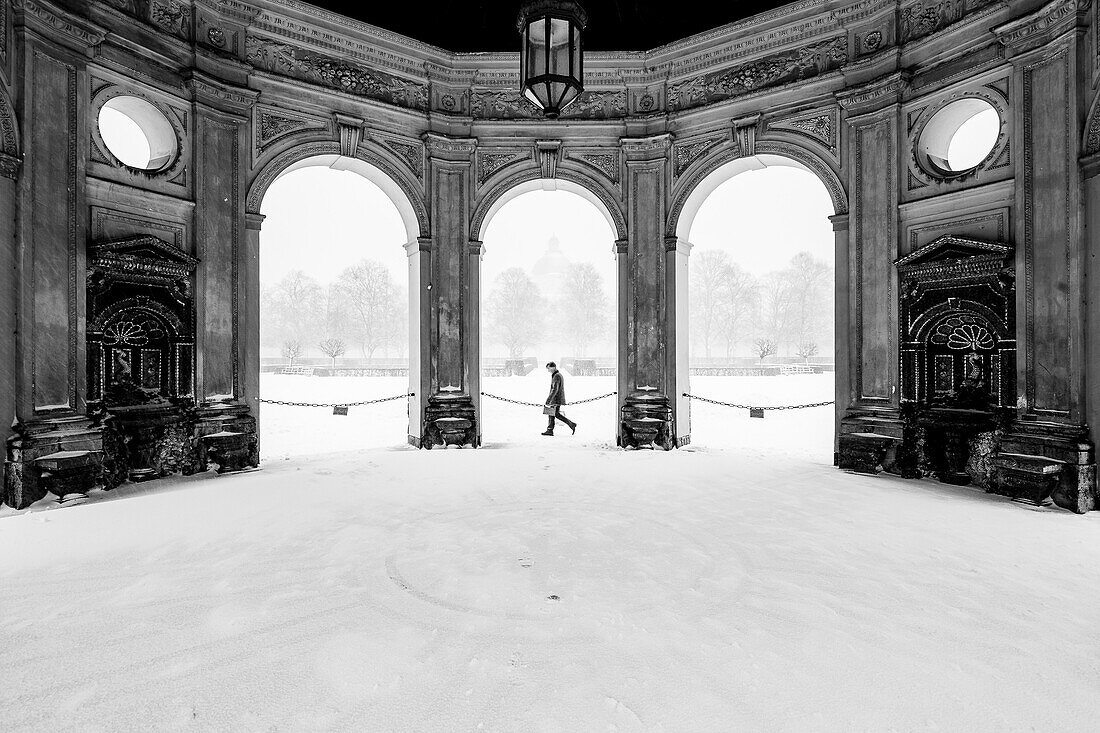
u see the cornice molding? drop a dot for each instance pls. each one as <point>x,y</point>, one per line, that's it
<point>46,17</point>
<point>219,94</point>
<point>874,95</point>
<point>1043,25</point>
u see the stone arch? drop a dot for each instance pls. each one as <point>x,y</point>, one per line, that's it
<point>692,190</point>
<point>377,166</point>
<point>10,149</point>
<point>587,187</point>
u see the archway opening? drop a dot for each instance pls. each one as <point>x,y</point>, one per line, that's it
<point>548,293</point>
<point>335,305</point>
<point>761,297</point>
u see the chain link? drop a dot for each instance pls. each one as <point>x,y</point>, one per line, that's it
<point>758,407</point>
<point>337,404</point>
<point>542,404</point>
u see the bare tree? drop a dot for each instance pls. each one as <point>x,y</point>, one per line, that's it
<point>583,307</point>
<point>292,350</point>
<point>516,311</point>
<point>806,349</point>
<point>708,268</point>
<point>369,293</point>
<point>739,292</point>
<point>292,308</point>
<point>332,348</point>
<point>764,347</point>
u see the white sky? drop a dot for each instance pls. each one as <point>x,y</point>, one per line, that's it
<point>518,234</point>
<point>765,217</point>
<point>321,220</point>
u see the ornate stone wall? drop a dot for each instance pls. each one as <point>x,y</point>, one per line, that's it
<point>843,89</point>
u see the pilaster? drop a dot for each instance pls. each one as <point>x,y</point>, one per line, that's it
<point>648,359</point>
<point>868,406</point>
<point>454,363</point>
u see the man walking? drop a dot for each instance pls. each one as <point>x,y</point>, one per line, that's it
<point>556,399</point>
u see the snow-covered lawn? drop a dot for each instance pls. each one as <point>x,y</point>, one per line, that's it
<point>551,585</point>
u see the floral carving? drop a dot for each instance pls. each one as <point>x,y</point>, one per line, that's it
<point>511,104</point>
<point>607,163</point>
<point>781,68</point>
<point>490,163</point>
<point>924,18</point>
<point>412,154</point>
<point>688,153</point>
<point>172,17</point>
<point>287,60</point>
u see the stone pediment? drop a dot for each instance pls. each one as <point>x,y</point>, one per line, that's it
<point>140,260</point>
<point>952,257</point>
<point>145,247</point>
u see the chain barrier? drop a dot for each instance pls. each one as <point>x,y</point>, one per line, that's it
<point>337,404</point>
<point>542,404</point>
<point>758,407</point>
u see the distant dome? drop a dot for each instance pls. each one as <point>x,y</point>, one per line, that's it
<point>549,270</point>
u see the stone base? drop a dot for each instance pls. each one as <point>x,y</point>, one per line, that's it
<point>223,435</point>
<point>646,421</point>
<point>62,456</point>
<point>1039,459</point>
<point>449,419</point>
<point>864,452</point>
<point>156,441</point>
<point>870,442</point>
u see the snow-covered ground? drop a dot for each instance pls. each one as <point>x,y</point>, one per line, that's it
<point>555,584</point>
<point>296,431</point>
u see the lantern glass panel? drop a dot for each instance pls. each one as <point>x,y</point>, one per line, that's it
<point>536,48</point>
<point>559,46</point>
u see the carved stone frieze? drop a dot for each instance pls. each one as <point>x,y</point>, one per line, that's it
<point>924,18</point>
<point>507,104</point>
<point>298,63</point>
<point>172,16</point>
<point>781,68</point>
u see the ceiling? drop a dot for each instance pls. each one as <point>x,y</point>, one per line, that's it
<point>489,25</point>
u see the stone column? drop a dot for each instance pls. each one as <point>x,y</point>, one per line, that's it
<point>420,302</point>
<point>676,280</point>
<point>450,416</point>
<point>248,320</point>
<point>867,320</point>
<point>9,288</point>
<point>1048,51</point>
<point>647,362</point>
<point>227,278</point>
<point>842,387</point>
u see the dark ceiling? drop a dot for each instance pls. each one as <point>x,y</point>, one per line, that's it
<point>489,25</point>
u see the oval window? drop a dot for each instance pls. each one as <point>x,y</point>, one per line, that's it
<point>137,133</point>
<point>960,136</point>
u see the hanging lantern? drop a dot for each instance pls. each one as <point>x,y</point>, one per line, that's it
<point>550,61</point>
